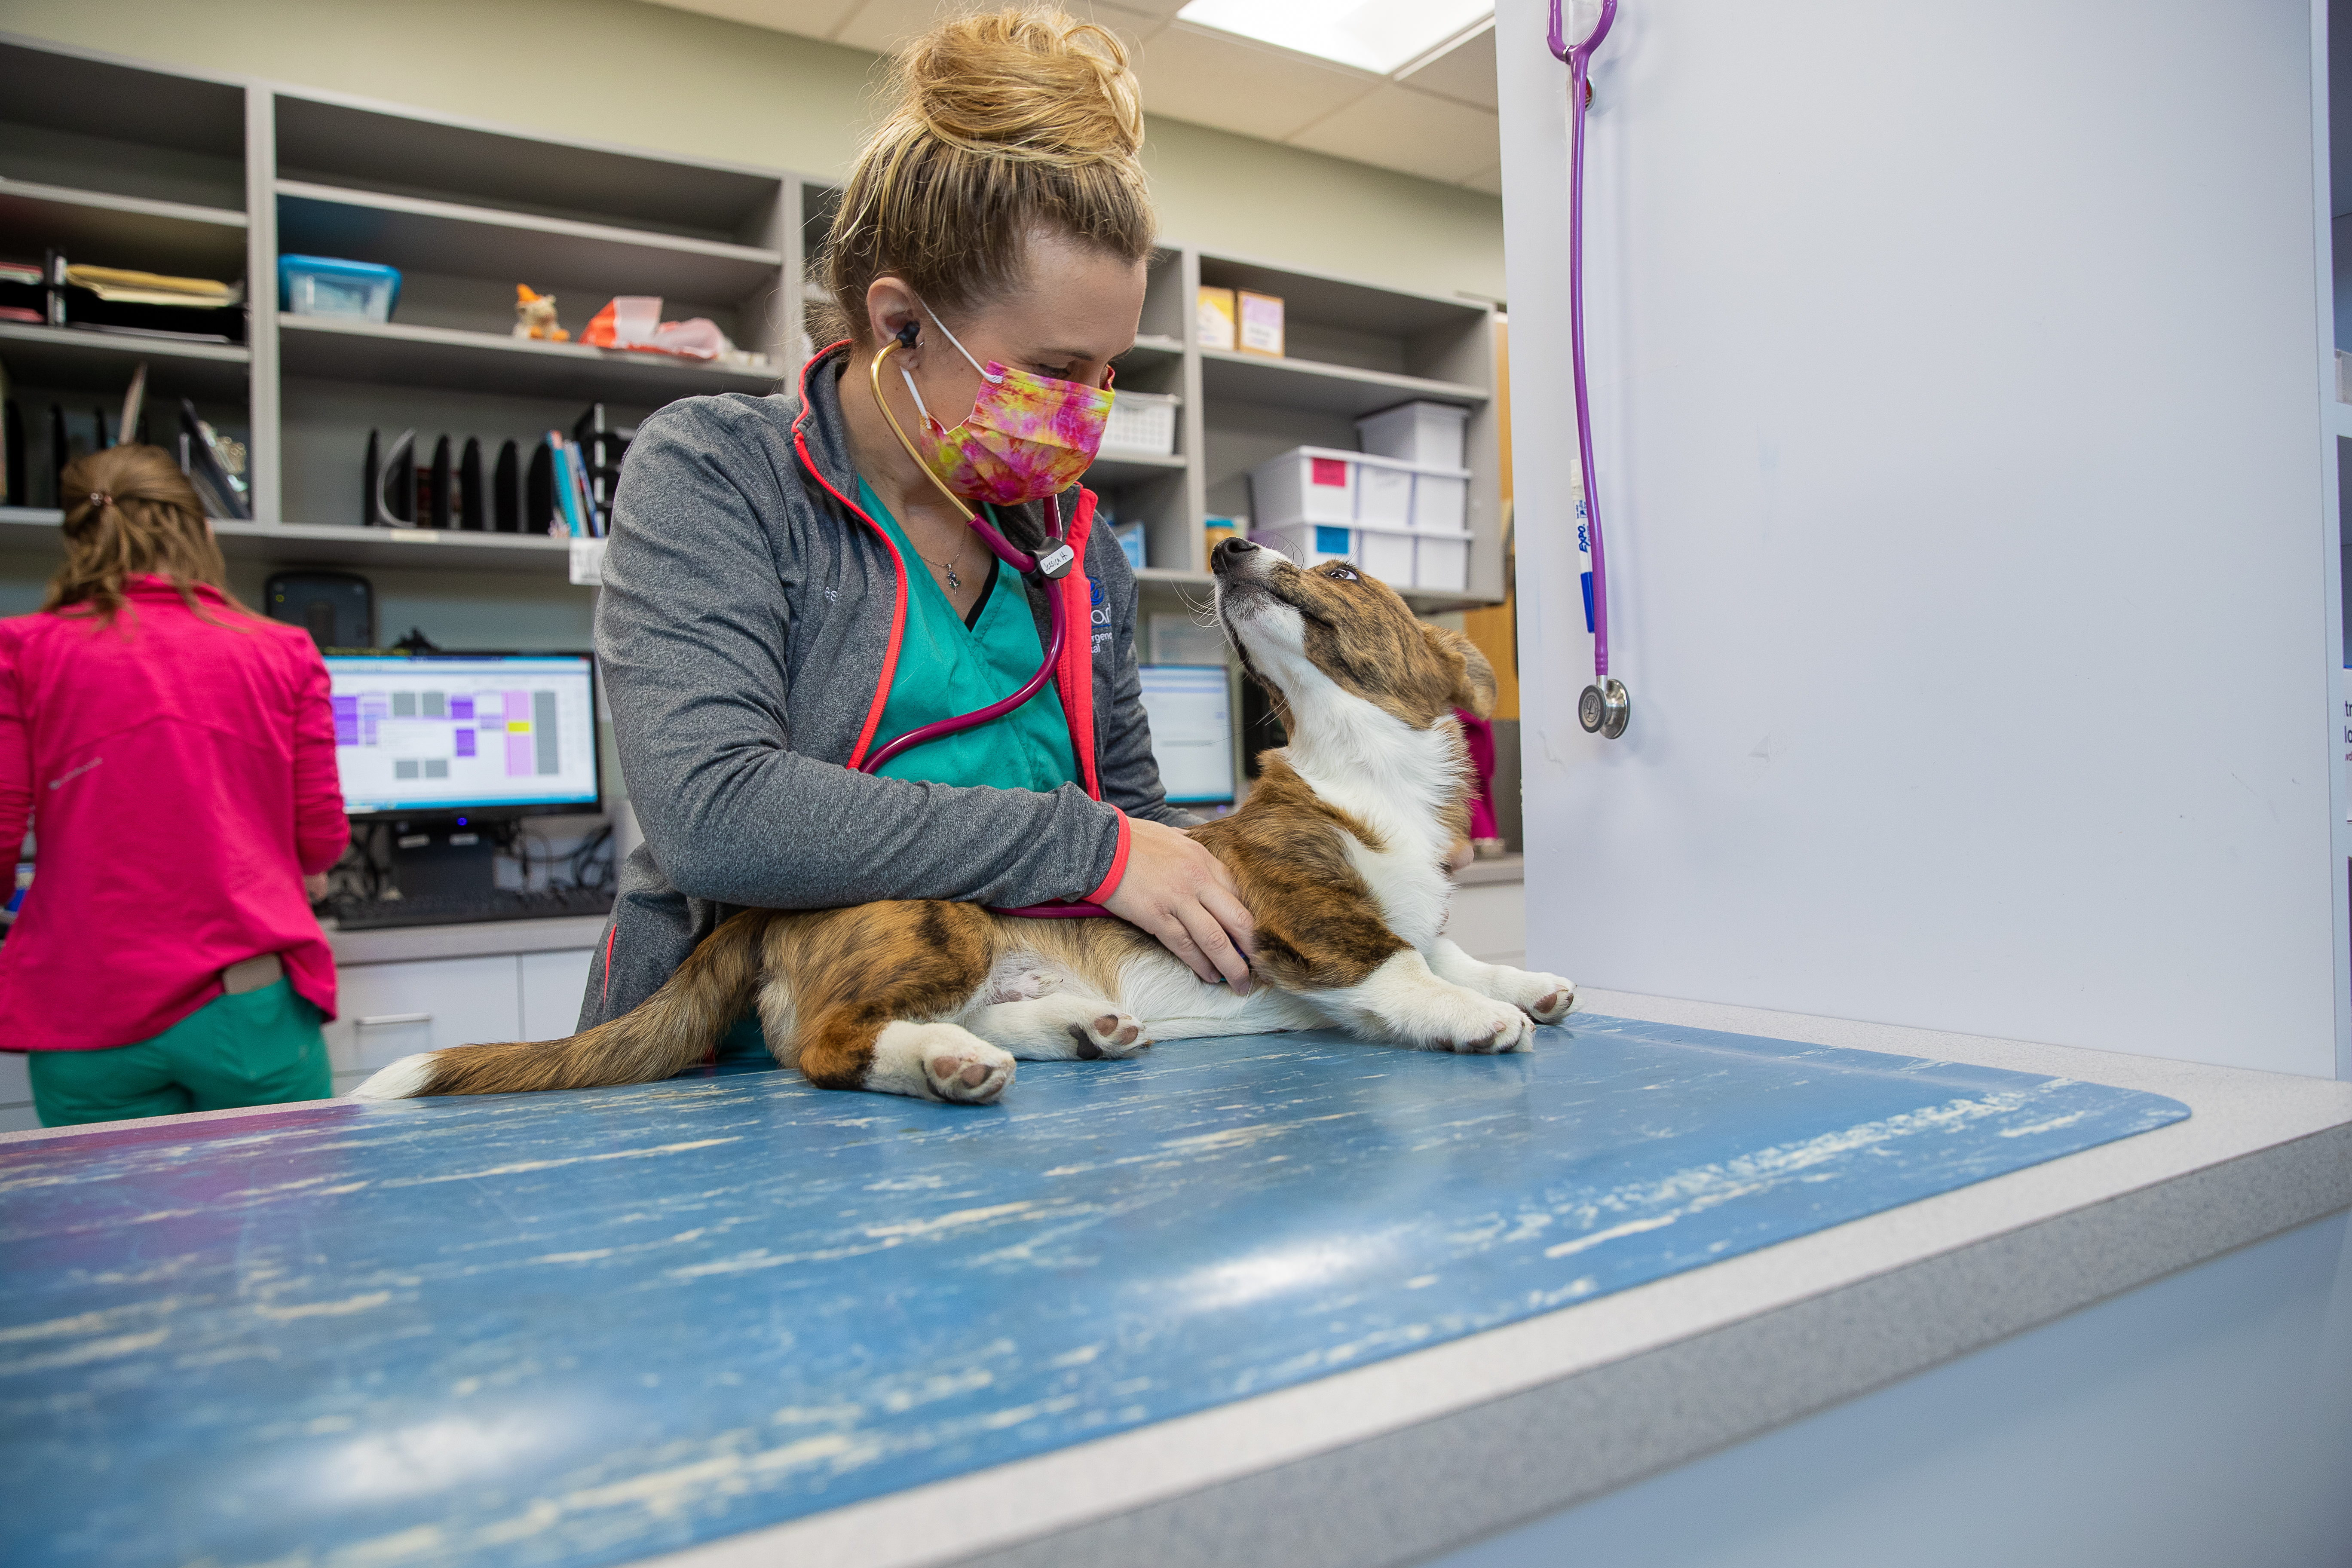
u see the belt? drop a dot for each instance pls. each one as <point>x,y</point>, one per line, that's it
<point>265,969</point>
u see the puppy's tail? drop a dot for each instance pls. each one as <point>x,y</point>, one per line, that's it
<point>667,1032</point>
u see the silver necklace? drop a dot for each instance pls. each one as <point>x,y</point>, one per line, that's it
<point>955,584</point>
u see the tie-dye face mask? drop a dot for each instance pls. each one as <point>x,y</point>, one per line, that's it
<point>1027,436</point>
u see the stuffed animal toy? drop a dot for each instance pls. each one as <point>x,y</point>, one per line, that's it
<point>535,316</point>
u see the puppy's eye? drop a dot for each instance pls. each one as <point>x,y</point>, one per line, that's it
<point>1341,575</point>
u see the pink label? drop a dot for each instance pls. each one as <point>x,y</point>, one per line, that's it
<point>1331,471</point>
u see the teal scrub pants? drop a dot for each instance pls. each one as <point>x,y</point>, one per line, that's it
<point>256,1048</point>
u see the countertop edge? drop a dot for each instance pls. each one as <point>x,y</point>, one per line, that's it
<point>1395,1461</point>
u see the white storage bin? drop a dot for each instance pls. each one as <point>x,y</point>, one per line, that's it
<point>1441,562</point>
<point>1441,502</point>
<point>1322,484</point>
<point>1306,484</point>
<point>1431,434</point>
<point>1399,557</point>
<point>1143,423</point>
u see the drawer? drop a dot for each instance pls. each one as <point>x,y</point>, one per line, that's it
<point>553,984</point>
<point>394,1010</point>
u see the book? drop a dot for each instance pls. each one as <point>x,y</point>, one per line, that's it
<point>566,502</point>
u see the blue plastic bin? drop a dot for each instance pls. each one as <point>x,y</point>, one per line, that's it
<point>323,286</point>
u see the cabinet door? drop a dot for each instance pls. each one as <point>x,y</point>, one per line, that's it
<point>553,986</point>
<point>393,1010</point>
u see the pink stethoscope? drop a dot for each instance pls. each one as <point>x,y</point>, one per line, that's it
<point>1604,708</point>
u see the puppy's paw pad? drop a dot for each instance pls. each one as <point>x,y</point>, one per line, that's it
<point>973,1074</point>
<point>1109,1035</point>
<point>1556,1002</point>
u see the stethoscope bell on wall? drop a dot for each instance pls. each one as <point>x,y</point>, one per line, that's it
<point>1604,708</point>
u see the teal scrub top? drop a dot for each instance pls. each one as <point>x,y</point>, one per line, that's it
<point>946,667</point>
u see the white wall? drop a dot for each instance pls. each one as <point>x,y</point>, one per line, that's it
<point>1958,377</point>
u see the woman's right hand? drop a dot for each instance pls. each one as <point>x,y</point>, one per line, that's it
<point>1184,896</point>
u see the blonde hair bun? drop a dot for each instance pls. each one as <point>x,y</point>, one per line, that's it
<point>998,125</point>
<point>1024,84</point>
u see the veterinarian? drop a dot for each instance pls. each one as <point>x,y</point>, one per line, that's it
<point>174,754</point>
<point>787,589</point>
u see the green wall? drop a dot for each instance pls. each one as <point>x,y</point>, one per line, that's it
<point>671,80</point>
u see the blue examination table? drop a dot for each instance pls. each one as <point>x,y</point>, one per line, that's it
<point>588,1328</point>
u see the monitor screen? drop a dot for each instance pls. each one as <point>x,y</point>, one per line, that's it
<point>478,731</point>
<point>1191,710</point>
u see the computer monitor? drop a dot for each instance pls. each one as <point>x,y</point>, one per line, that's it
<point>1191,710</point>
<point>473,735</point>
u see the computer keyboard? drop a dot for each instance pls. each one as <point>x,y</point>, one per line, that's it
<point>462,908</point>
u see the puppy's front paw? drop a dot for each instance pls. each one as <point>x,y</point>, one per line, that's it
<point>972,1073</point>
<point>1488,1031</point>
<point>1555,998</point>
<point>1108,1034</point>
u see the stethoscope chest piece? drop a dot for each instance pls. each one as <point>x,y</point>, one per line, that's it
<point>1603,710</point>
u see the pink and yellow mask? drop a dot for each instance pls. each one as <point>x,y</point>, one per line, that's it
<point>1027,436</point>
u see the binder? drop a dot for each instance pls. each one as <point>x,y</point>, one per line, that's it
<point>538,514</point>
<point>211,477</point>
<point>473,511</point>
<point>371,475</point>
<point>506,484</point>
<point>439,510</point>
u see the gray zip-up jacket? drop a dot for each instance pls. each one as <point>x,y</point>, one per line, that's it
<point>746,614</point>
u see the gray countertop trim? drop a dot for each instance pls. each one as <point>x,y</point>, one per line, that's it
<point>1503,869</point>
<point>483,939</point>
<point>1393,1462</point>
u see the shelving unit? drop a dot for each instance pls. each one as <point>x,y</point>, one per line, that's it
<point>125,163</point>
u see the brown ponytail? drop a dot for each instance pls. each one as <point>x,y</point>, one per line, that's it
<point>130,511</point>
<point>1000,124</point>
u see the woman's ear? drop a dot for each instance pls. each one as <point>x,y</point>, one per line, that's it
<point>889,306</point>
<point>1474,676</point>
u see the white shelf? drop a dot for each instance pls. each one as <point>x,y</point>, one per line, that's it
<point>75,358</point>
<point>1325,388</point>
<point>289,543</point>
<point>1125,468</point>
<point>440,357</point>
<point>560,255</point>
<point>1152,346</point>
<point>111,230</point>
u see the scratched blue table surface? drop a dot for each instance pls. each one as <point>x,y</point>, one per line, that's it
<point>581,1328</point>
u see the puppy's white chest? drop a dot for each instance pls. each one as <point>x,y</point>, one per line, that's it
<point>1405,880</point>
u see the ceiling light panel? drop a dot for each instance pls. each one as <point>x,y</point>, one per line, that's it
<point>1377,35</point>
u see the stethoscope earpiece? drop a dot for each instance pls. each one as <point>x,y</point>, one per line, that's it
<point>1604,710</point>
<point>910,335</point>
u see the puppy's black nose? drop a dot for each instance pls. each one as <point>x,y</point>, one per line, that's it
<point>1230,552</point>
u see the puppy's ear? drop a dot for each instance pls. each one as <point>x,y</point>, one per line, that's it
<point>1474,676</point>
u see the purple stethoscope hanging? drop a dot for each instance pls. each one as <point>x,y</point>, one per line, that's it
<point>1604,708</point>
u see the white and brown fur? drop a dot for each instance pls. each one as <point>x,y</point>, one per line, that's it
<point>1341,853</point>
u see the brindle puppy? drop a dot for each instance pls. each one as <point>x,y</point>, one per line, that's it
<point>1341,853</point>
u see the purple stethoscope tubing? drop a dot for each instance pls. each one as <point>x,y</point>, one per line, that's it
<point>1578,60</point>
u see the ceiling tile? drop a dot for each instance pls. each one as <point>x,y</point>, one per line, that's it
<point>1218,81</point>
<point>1398,128</point>
<point>1491,182</point>
<point>1466,71</point>
<point>882,26</point>
<point>809,18</point>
